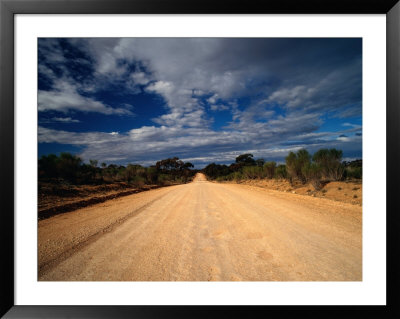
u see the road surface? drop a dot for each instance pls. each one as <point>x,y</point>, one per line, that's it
<point>204,231</point>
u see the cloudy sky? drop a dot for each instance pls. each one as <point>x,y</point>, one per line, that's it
<point>139,100</point>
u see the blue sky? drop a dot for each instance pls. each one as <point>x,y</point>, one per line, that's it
<point>139,100</point>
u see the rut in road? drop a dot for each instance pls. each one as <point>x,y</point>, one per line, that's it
<point>206,231</point>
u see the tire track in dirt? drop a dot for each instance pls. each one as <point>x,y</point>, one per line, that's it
<point>285,243</point>
<point>73,248</point>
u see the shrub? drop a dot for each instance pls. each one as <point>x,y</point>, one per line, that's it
<point>269,169</point>
<point>163,179</point>
<point>329,161</point>
<point>138,181</point>
<point>237,176</point>
<point>215,170</point>
<point>353,172</point>
<point>47,166</point>
<point>281,172</point>
<point>312,174</point>
<point>260,162</point>
<point>295,163</point>
<point>68,167</point>
<point>252,172</point>
<point>131,172</point>
<point>151,175</point>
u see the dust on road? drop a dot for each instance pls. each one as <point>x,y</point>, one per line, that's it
<point>204,231</point>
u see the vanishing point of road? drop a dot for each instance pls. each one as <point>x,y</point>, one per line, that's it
<point>204,231</point>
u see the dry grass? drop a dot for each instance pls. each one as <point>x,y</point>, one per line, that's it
<point>347,192</point>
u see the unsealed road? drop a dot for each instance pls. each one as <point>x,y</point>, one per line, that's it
<point>204,231</point>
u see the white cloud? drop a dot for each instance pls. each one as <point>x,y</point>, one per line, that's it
<point>46,135</point>
<point>219,107</point>
<point>213,99</point>
<point>51,51</point>
<point>46,72</point>
<point>184,70</point>
<point>65,120</point>
<point>65,97</point>
<point>70,100</point>
<point>59,120</point>
<point>161,87</point>
<point>177,69</point>
<point>343,138</point>
<point>354,111</point>
<point>140,78</point>
<point>293,97</point>
<point>148,144</point>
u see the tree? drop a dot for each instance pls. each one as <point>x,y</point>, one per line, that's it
<point>216,170</point>
<point>170,164</point>
<point>246,159</point>
<point>353,169</point>
<point>188,165</point>
<point>235,167</point>
<point>174,167</point>
<point>260,162</point>
<point>48,166</point>
<point>68,166</point>
<point>187,172</point>
<point>93,163</point>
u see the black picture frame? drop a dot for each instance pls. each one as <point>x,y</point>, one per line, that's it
<point>8,8</point>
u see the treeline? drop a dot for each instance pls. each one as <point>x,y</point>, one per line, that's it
<point>323,166</point>
<point>70,168</point>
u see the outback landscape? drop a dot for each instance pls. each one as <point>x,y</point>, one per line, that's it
<point>200,159</point>
<point>193,229</point>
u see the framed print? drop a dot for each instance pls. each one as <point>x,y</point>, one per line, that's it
<point>184,157</point>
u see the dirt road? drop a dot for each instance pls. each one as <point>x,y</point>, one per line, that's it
<point>204,231</point>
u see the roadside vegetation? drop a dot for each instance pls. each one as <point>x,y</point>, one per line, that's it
<point>322,167</point>
<point>70,169</point>
<point>66,183</point>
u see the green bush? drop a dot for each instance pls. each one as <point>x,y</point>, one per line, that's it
<point>269,169</point>
<point>353,172</point>
<point>329,160</point>
<point>138,181</point>
<point>237,176</point>
<point>312,174</point>
<point>252,172</point>
<point>295,163</point>
<point>281,171</point>
<point>164,179</point>
<point>216,170</point>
